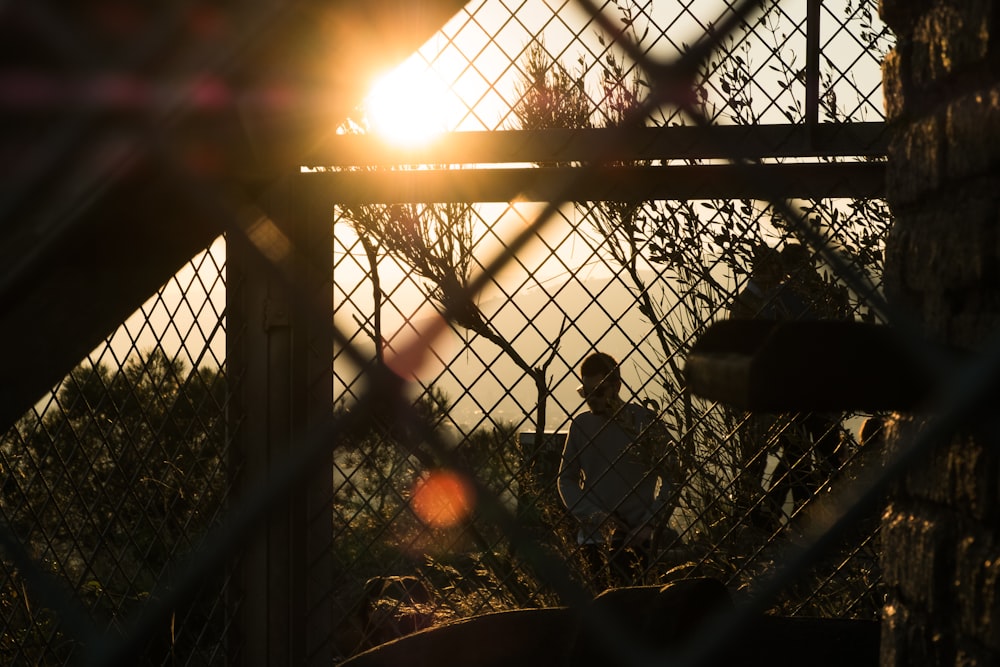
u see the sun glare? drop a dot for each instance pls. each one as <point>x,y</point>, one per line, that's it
<point>409,106</point>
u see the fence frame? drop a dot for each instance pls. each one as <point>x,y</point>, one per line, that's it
<point>281,360</point>
<point>280,364</point>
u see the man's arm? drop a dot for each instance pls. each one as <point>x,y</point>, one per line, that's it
<point>572,493</point>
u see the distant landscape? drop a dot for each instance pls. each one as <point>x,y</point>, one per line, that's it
<point>475,374</point>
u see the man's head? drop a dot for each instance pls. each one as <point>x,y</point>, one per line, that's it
<point>798,262</point>
<point>768,269</point>
<point>601,382</point>
<point>796,256</point>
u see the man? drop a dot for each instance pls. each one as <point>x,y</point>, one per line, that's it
<point>767,294</point>
<point>609,479</point>
<point>785,285</point>
<point>764,297</point>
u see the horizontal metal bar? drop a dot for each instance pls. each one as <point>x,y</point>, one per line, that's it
<point>861,180</point>
<point>613,144</point>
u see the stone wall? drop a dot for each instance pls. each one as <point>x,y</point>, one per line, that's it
<point>941,538</point>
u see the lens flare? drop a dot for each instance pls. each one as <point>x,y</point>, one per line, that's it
<point>409,106</point>
<point>442,499</point>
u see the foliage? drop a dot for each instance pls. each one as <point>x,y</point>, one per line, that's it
<point>467,568</point>
<point>436,241</point>
<point>549,95</point>
<point>113,482</point>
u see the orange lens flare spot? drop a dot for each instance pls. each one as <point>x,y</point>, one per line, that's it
<point>442,499</point>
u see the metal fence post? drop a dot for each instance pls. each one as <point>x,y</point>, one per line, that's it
<point>280,361</point>
<point>812,62</point>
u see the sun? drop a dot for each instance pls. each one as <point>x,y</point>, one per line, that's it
<point>410,105</point>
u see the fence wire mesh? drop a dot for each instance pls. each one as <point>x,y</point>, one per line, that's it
<point>445,501</point>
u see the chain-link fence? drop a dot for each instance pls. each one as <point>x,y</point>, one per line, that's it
<point>629,174</point>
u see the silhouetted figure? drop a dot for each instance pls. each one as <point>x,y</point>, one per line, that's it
<point>814,455</point>
<point>761,434</point>
<point>821,299</point>
<point>757,298</point>
<point>786,286</point>
<point>607,483</point>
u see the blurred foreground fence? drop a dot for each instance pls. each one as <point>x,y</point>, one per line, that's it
<point>610,177</point>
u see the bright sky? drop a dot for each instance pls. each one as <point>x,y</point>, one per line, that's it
<point>463,78</point>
